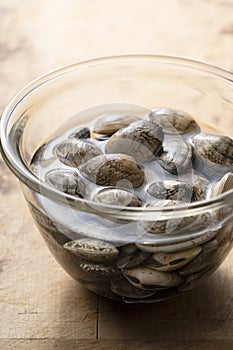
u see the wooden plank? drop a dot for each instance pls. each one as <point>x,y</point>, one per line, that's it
<point>64,344</point>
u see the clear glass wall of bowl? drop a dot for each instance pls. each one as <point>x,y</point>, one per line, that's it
<point>198,239</point>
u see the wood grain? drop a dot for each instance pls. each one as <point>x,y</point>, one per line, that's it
<point>40,306</point>
<point>61,344</point>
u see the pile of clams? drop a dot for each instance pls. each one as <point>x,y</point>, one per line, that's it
<point>159,161</point>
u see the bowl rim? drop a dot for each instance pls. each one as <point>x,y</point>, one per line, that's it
<point>29,179</point>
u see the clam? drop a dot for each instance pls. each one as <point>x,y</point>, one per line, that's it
<point>175,190</point>
<point>128,249</point>
<point>172,261</point>
<point>142,140</point>
<point>154,247</point>
<point>74,152</point>
<point>174,247</point>
<point>177,157</point>
<point>147,279</point>
<point>117,196</point>
<point>132,260</point>
<point>110,169</point>
<point>92,249</point>
<point>96,271</point>
<point>127,253</point>
<point>173,121</point>
<point>81,133</point>
<point>174,225</point>
<point>209,256</point>
<point>200,180</point>
<point>107,124</point>
<point>213,154</point>
<point>125,289</point>
<point>223,185</point>
<point>64,180</point>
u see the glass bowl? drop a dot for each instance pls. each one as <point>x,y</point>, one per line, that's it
<point>115,257</point>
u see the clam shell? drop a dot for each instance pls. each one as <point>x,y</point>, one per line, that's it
<point>223,185</point>
<point>109,170</point>
<point>96,271</point>
<point>212,253</point>
<point>147,279</point>
<point>133,260</point>
<point>142,140</point>
<point>125,289</point>
<point>176,225</point>
<point>173,121</point>
<point>128,249</point>
<point>213,154</point>
<point>175,190</point>
<point>172,261</point>
<point>200,180</point>
<point>74,152</point>
<point>107,124</point>
<point>81,133</point>
<point>117,196</point>
<point>174,247</point>
<point>177,157</point>
<point>64,180</point>
<point>92,249</point>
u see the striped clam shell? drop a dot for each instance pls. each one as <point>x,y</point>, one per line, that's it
<point>173,121</point>
<point>148,279</point>
<point>176,157</point>
<point>125,289</point>
<point>117,196</point>
<point>210,255</point>
<point>131,260</point>
<point>109,123</point>
<point>74,151</point>
<point>80,133</point>
<point>110,169</point>
<point>223,185</point>
<point>175,190</point>
<point>96,271</point>
<point>213,154</point>
<point>176,225</point>
<point>64,180</point>
<point>141,140</point>
<point>92,249</point>
<point>172,261</point>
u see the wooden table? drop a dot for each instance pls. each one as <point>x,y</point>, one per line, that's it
<point>40,306</point>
